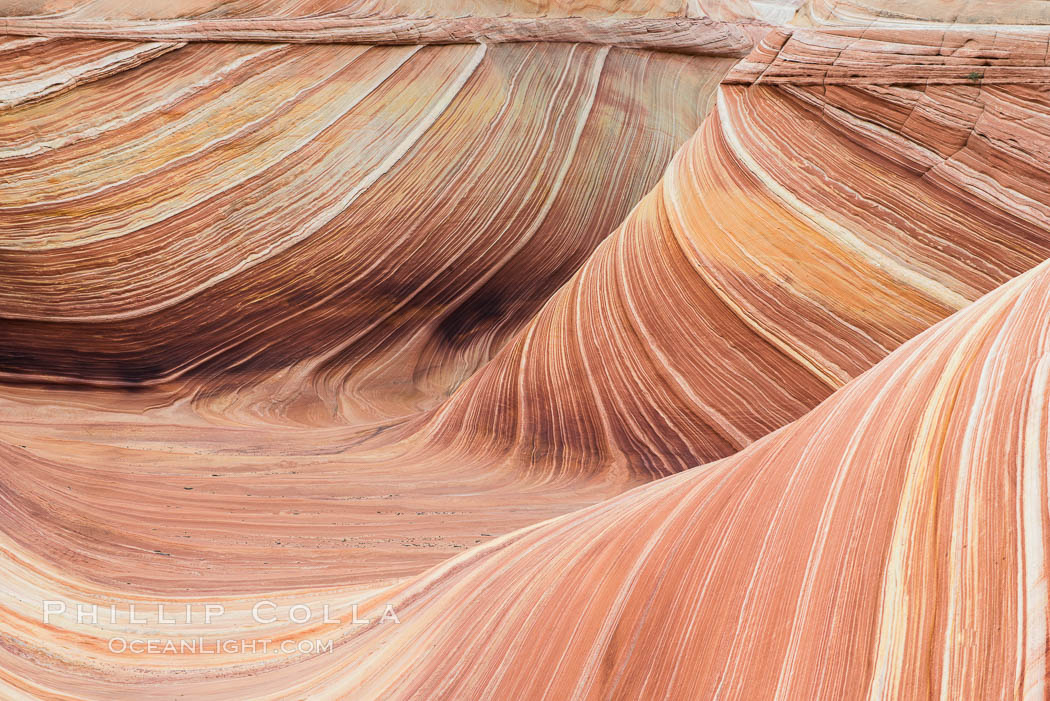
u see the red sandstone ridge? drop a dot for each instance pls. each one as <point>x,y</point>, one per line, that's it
<point>806,230</point>
<point>701,37</point>
<point>722,28</point>
<point>328,303</point>
<point>891,543</point>
<point>116,10</point>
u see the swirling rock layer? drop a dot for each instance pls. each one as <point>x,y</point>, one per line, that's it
<point>196,194</point>
<point>806,231</point>
<point>264,273</point>
<point>300,322</point>
<point>892,543</point>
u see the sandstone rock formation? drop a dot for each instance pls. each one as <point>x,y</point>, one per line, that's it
<point>813,224</point>
<point>899,12</point>
<point>890,544</point>
<point>286,316</point>
<point>115,10</point>
<point>166,305</point>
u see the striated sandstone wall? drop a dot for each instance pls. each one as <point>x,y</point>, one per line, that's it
<point>307,322</point>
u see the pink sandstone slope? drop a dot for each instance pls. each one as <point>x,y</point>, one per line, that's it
<point>307,302</point>
<point>891,543</point>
